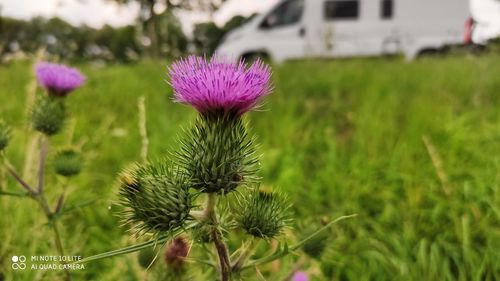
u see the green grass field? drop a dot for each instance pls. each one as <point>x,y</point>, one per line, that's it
<point>412,148</point>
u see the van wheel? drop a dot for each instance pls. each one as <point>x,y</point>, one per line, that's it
<point>429,53</point>
<point>251,57</point>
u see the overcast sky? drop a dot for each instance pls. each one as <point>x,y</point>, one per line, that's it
<point>98,12</point>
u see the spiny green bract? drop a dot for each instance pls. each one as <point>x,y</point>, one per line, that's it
<point>264,214</point>
<point>156,198</point>
<point>218,154</point>
<point>48,115</point>
<point>68,163</point>
<point>4,135</point>
<point>202,232</point>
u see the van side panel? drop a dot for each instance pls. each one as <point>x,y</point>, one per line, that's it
<point>431,24</point>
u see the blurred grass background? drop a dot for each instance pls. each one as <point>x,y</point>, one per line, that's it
<point>340,137</point>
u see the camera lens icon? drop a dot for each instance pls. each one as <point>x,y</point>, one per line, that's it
<point>18,262</point>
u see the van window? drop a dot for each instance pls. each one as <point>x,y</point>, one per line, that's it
<point>386,9</point>
<point>288,12</point>
<point>341,10</point>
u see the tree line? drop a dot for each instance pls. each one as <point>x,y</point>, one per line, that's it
<point>125,44</point>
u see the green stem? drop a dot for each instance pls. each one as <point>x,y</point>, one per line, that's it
<point>60,249</point>
<point>42,200</point>
<point>60,201</point>
<point>44,146</point>
<point>198,215</point>
<point>210,208</point>
<point>59,204</point>
<point>245,254</point>
<point>14,194</point>
<point>39,196</point>
<point>220,246</point>
<point>57,239</point>
<point>18,178</point>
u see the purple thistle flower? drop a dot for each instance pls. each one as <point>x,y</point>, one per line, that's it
<point>300,276</point>
<point>58,79</point>
<point>217,85</point>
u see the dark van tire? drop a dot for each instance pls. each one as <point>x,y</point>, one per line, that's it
<point>252,56</point>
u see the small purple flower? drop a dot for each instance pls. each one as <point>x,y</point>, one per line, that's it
<point>300,276</point>
<point>217,85</point>
<point>58,79</point>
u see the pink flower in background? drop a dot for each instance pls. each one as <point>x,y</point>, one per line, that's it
<point>58,79</point>
<point>300,276</point>
<point>218,85</point>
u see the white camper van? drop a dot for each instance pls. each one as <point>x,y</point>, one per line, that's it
<point>295,29</point>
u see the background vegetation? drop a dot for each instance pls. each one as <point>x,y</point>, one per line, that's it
<point>413,148</point>
<point>20,38</point>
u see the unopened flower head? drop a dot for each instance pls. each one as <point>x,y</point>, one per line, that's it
<point>68,163</point>
<point>218,85</point>
<point>176,253</point>
<point>219,155</point>
<point>58,79</point>
<point>48,115</point>
<point>156,198</point>
<point>264,214</point>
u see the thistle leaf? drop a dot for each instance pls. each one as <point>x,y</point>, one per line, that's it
<point>137,247</point>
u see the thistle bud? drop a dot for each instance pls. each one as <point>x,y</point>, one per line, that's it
<point>68,163</point>
<point>156,198</point>
<point>48,115</point>
<point>218,155</point>
<point>264,214</point>
<point>176,253</point>
<point>4,135</point>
